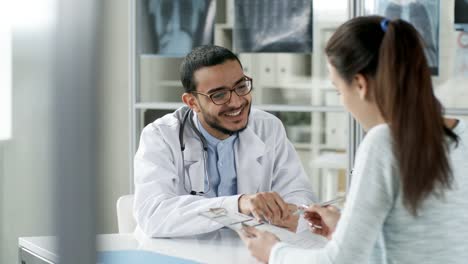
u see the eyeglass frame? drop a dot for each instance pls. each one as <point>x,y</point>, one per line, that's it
<point>233,89</point>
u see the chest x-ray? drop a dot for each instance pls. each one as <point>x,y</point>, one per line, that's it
<point>177,26</point>
<point>422,14</point>
<point>273,26</point>
<point>461,15</point>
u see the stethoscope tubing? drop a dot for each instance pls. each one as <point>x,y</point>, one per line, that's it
<point>188,116</point>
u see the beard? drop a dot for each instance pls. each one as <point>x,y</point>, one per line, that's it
<point>214,122</point>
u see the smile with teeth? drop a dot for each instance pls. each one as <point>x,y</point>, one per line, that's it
<point>234,113</point>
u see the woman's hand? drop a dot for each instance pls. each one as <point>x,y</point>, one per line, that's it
<point>322,220</point>
<point>258,242</point>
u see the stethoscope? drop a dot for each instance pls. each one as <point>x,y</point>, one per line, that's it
<point>188,116</point>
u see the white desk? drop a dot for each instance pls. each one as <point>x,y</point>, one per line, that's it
<point>220,246</point>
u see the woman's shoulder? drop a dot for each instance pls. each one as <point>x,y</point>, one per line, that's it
<point>376,148</point>
<point>378,137</point>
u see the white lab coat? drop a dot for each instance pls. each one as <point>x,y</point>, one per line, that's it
<point>265,161</point>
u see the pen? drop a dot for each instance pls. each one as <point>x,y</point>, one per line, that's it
<point>333,201</point>
<point>301,209</point>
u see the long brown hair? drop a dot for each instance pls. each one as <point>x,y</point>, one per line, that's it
<point>391,54</point>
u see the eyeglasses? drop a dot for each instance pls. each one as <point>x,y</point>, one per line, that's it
<point>220,97</point>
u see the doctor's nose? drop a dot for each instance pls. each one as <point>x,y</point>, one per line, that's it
<point>235,100</point>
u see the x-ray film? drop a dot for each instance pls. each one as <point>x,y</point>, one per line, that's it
<point>422,14</point>
<point>178,26</point>
<point>461,15</point>
<point>273,26</point>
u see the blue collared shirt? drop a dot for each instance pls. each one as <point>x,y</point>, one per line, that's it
<point>221,165</point>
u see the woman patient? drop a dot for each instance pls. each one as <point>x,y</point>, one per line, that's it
<point>407,202</point>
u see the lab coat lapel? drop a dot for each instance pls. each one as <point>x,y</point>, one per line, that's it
<point>249,152</point>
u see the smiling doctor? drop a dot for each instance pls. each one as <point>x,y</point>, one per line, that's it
<point>216,151</point>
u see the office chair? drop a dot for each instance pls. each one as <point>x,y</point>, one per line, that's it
<point>125,220</point>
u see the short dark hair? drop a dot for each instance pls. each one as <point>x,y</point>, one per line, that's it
<point>199,57</point>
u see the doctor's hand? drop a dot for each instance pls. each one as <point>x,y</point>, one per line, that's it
<point>258,242</point>
<point>322,220</point>
<point>267,206</point>
<point>291,221</point>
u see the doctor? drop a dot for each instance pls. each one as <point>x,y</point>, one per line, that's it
<point>216,151</point>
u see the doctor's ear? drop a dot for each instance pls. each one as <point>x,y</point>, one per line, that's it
<point>192,102</point>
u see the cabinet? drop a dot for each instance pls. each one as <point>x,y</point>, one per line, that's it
<point>292,86</point>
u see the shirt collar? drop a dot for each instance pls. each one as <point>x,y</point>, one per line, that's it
<point>212,141</point>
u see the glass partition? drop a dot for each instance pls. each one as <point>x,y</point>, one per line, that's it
<point>293,85</point>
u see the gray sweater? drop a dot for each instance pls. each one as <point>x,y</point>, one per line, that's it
<point>375,227</point>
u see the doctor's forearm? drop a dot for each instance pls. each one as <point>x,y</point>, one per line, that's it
<point>179,216</point>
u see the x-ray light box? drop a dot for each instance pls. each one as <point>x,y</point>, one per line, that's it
<point>461,15</point>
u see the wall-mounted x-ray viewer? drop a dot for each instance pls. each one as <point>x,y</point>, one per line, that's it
<point>5,75</point>
<point>461,15</point>
<point>422,14</point>
<point>273,26</point>
<point>177,26</point>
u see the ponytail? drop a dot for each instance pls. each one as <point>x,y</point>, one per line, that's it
<point>404,95</point>
<point>392,54</point>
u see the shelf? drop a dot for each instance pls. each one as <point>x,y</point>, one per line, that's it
<point>329,147</point>
<point>330,160</point>
<point>174,83</point>
<point>164,56</point>
<point>224,26</point>
<point>321,147</point>
<point>302,146</point>
<point>159,106</point>
<point>265,107</point>
<point>298,108</point>
<point>301,83</point>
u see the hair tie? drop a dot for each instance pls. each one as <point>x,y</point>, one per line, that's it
<point>384,24</point>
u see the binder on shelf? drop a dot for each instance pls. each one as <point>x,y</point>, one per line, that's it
<point>292,66</point>
<point>267,73</point>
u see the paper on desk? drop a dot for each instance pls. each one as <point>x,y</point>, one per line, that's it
<point>225,218</point>
<point>235,220</point>
<point>304,239</point>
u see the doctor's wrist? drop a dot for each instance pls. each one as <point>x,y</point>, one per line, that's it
<point>243,207</point>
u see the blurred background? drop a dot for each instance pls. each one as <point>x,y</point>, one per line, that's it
<point>78,82</point>
<point>69,118</point>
